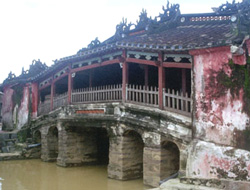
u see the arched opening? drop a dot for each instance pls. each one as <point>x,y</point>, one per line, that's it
<point>170,159</point>
<point>102,146</point>
<point>133,154</point>
<point>93,144</point>
<point>53,143</point>
<point>37,137</point>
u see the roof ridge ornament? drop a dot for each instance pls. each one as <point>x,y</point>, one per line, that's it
<point>94,43</point>
<point>144,20</point>
<point>171,13</point>
<point>123,28</point>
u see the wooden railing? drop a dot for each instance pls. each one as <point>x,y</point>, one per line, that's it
<point>44,107</point>
<point>177,102</point>
<point>97,94</point>
<point>142,95</point>
<point>60,100</point>
<point>149,96</point>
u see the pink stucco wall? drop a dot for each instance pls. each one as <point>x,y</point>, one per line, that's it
<point>208,160</point>
<point>7,106</point>
<point>23,111</point>
<point>219,118</point>
<point>218,113</point>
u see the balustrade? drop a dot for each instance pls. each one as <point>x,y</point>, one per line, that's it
<point>44,107</point>
<point>177,101</point>
<point>60,100</point>
<point>172,100</point>
<point>107,93</point>
<point>143,95</point>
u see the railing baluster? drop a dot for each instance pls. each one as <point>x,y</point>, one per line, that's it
<point>177,101</point>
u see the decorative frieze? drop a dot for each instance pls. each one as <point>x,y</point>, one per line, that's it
<point>142,55</point>
<point>86,62</point>
<point>107,57</point>
<point>178,58</point>
<point>207,18</point>
<point>45,82</point>
<point>112,56</point>
<point>60,73</point>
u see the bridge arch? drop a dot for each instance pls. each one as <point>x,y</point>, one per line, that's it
<point>133,145</point>
<point>170,159</point>
<point>52,143</point>
<point>37,136</point>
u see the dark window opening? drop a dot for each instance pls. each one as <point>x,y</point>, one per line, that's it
<point>61,86</point>
<point>45,94</point>
<point>107,75</point>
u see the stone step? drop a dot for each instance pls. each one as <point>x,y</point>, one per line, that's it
<point>10,156</point>
<point>174,184</point>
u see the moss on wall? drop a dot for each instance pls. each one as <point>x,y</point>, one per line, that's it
<point>23,134</point>
<point>239,79</point>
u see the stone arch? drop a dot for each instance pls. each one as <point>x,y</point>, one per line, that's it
<point>102,145</point>
<point>133,146</point>
<point>37,136</point>
<point>170,159</point>
<point>52,139</point>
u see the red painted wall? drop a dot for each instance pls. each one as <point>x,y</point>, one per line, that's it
<point>34,89</point>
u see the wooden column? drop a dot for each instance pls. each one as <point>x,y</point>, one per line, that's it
<point>184,87</point>
<point>146,75</point>
<point>52,93</point>
<point>161,79</point>
<point>70,87</point>
<point>124,75</point>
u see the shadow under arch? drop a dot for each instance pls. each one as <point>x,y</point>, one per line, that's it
<point>37,137</point>
<point>133,146</point>
<point>170,156</point>
<point>52,138</point>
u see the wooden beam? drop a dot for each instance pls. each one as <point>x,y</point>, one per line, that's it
<point>70,87</point>
<point>141,61</point>
<point>105,63</point>
<point>124,76</point>
<point>161,80</point>
<point>52,93</point>
<point>177,65</point>
<point>45,86</point>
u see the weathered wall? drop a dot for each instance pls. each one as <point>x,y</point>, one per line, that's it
<point>23,111</point>
<point>34,90</point>
<point>219,108</point>
<point>7,109</point>
<point>221,116</point>
<point>15,108</point>
<point>208,160</point>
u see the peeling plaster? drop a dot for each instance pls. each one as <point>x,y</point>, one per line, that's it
<point>218,114</point>
<point>23,112</point>
<point>7,107</point>
<point>208,160</point>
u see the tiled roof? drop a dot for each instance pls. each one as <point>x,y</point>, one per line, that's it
<point>183,37</point>
<point>176,33</point>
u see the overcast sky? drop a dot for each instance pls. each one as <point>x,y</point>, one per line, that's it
<point>52,29</point>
